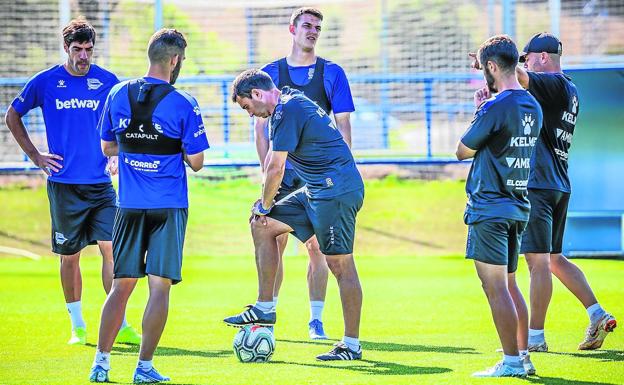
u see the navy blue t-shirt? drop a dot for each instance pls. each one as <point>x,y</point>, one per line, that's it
<point>71,107</point>
<point>558,97</point>
<point>155,181</point>
<point>504,132</point>
<point>316,149</point>
<point>335,83</point>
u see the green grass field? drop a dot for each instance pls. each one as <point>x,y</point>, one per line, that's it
<point>425,319</point>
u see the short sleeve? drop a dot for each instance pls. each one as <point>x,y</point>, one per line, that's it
<point>547,88</point>
<point>105,124</point>
<point>31,96</point>
<point>482,126</point>
<point>287,125</point>
<point>340,96</point>
<point>194,138</point>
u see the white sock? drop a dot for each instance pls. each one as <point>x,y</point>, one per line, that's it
<point>512,360</point>
<point>145,365</point>
<point>102,359</point>
<point>124,323</point>
<point>265,306</point>
<point>316,310</point>
<point>352,343</point>
<point>594,312</point>
<point>75,313</point>
<point>524,353</point>
<point>275,301</point>
<point>536,336</point>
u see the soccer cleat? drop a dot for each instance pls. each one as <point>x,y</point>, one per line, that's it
<point>127,335</point>
<point>340,352</point>
<point>148,376</point>
<point>98,374</point>
<point>251,316</point>
<point>501,369</point>
<point>538,348</point>
<point>78,337</point>
<point>597,332</point>
<point>529,368</point>
<point>316,330</point>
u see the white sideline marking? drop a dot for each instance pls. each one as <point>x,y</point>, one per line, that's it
<point>19,252</point>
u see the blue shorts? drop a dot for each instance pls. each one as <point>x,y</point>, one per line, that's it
<point>81,215</point>
<point>544,233</point>
<point>332,220</point>
<point>495,241</point>
<point>149,241</point>
<point>290,183</point>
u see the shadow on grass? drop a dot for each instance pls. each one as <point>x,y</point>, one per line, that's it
<point>122,349</point>
<point>394,347</point>
<point>378,368</point>
<point>602,355</point>
<point>563,381</point>
<point>400,237</point>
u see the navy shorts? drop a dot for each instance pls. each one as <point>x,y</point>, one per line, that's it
<point>332,220</point>
<point>290,183</point>
<point>544,233</point>
<point>81,215</point>
<point>495,241</point>
<point>149,241</point>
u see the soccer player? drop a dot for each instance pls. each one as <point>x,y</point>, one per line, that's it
<point>501,139</point>
<point>155,129</point>
<point>326,206</point>
<point>82,200</point>
<point>549,193</point>
<point>326,84</point>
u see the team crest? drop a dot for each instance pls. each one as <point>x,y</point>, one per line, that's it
<point>94,84</point>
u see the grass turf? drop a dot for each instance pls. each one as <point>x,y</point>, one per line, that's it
<point>425,319</point>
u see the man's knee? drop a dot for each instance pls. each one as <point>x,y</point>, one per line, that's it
<point>339,264</point>
<point>73,259</point>
<point>317,258</point>
<point>538,263</point>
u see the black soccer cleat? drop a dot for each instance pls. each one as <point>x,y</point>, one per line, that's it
<point>340,352</point>
<point>251,316</point>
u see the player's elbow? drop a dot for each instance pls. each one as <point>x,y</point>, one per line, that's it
<point>195,161</point>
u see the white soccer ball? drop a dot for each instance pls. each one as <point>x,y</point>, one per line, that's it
<point>254,343</point>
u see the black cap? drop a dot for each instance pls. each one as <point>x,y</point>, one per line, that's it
<point>542,42</point>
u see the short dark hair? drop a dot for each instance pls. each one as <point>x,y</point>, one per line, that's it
<point>78,30</point>
<point>249,80</point>
<point>501,50</point>
<point>303,11</point>
<point>165,44</point>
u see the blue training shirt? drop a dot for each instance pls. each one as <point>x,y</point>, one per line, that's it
<point>558,97</point>
<point>155,181</point>
<point>316,149</point>
<point>335,83</point>
<point>71,107</point>
<point>504,132</point>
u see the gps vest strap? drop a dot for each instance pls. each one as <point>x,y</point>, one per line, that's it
<point>315,89</point>
<point>141,136</point>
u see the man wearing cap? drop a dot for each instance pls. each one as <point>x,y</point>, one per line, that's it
<point>549,193</point>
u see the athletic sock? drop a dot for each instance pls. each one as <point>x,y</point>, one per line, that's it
<point>102,359</point>
<point>595,311</point>
<point>352,343</point>
<point>524,353</point>
<point>75,314</point>
<point>145,365</point>
<point>265,306</point>
<point>274,301</point>
<point>512,360</point>
<point>124,323</point>
<point>316,310</point>
<point>536,336</point>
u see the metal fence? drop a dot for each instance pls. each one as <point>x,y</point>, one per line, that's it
<point>406,60</point>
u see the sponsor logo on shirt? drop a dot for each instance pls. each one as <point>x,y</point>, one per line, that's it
<point>59,238</point>
<point>20,97</point>
<point>75,103</point>
<point>518,184</point>
<point>518,162</point>
<point>574,105</point>
<point>196,110</point>
<point>201,131</point>
<point>570,117</point>
<point>277,115</point>
<point>522,141</point>
<point>562,154</point>
<point>94,84</point>
<point>329,182</point>
<point>157,127</point>
<point>140,135</point>
<point>143,166</point>
<point>321,112</point>
<point>564,135</point>
<point>527,123</point>
<point>61,84</point>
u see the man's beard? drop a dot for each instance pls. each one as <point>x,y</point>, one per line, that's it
<point>489,79</point>
<point>175,73</point>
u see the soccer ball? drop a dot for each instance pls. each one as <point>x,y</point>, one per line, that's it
<point>254,343</point>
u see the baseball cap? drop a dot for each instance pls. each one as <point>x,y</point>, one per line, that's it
<point>542,42</point>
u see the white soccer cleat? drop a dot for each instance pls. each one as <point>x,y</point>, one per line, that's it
<point>501,369</point>
<point>529,368</point>
<point>597,332</point>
